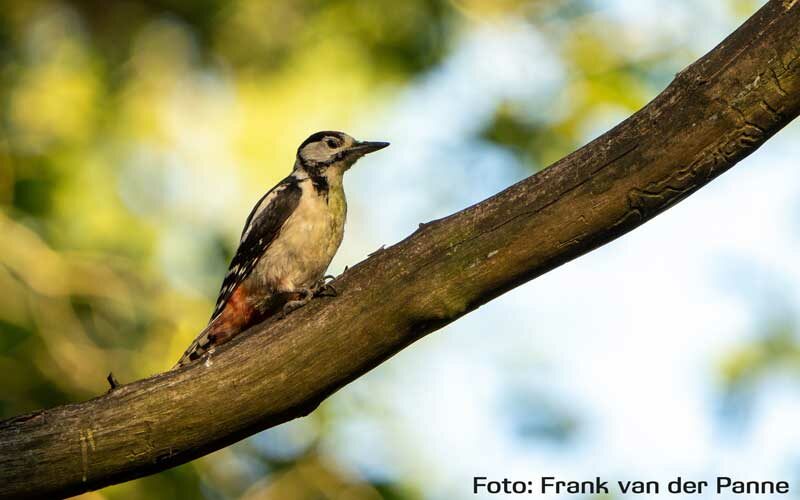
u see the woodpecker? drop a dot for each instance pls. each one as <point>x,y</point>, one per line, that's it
<point>288,241</point>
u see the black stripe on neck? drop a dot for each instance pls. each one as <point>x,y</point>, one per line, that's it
<point>321,186</point>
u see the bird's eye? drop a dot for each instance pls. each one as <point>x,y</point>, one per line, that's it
<point>332,143</point>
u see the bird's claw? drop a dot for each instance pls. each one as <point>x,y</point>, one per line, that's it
<point>306,294</point>
<point>293,305</point>
<point>323,287</point>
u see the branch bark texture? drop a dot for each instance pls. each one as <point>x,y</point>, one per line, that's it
<point>715,113</point>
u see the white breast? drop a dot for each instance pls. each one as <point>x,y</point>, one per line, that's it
<point>307,241</point>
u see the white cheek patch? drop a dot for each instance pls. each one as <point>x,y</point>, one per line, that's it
<point>318,152</point>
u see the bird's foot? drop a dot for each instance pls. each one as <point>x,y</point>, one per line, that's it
<point>323,287</point>
<point>306,294</point>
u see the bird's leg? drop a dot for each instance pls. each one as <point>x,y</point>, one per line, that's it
<point>305,296</point>
<point>323,287</point>
<point>319,289</point>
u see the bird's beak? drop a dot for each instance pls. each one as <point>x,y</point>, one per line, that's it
<point>366,147</point>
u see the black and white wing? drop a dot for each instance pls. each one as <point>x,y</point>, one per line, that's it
<point>261,228</point>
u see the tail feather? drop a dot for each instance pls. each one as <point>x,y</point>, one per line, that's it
<point>236,317</point>
<point>216,333</point>
<point>200,346</point>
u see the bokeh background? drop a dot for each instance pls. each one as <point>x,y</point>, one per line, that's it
<point>136,135</point>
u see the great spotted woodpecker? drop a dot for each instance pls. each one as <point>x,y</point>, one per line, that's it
<point>288,241</point>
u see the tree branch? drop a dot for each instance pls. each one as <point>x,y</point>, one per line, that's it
<point>715,112</point>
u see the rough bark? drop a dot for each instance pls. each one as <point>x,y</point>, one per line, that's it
<point>715,112</point>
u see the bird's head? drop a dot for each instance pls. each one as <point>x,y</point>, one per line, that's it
<point>329,149</point>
